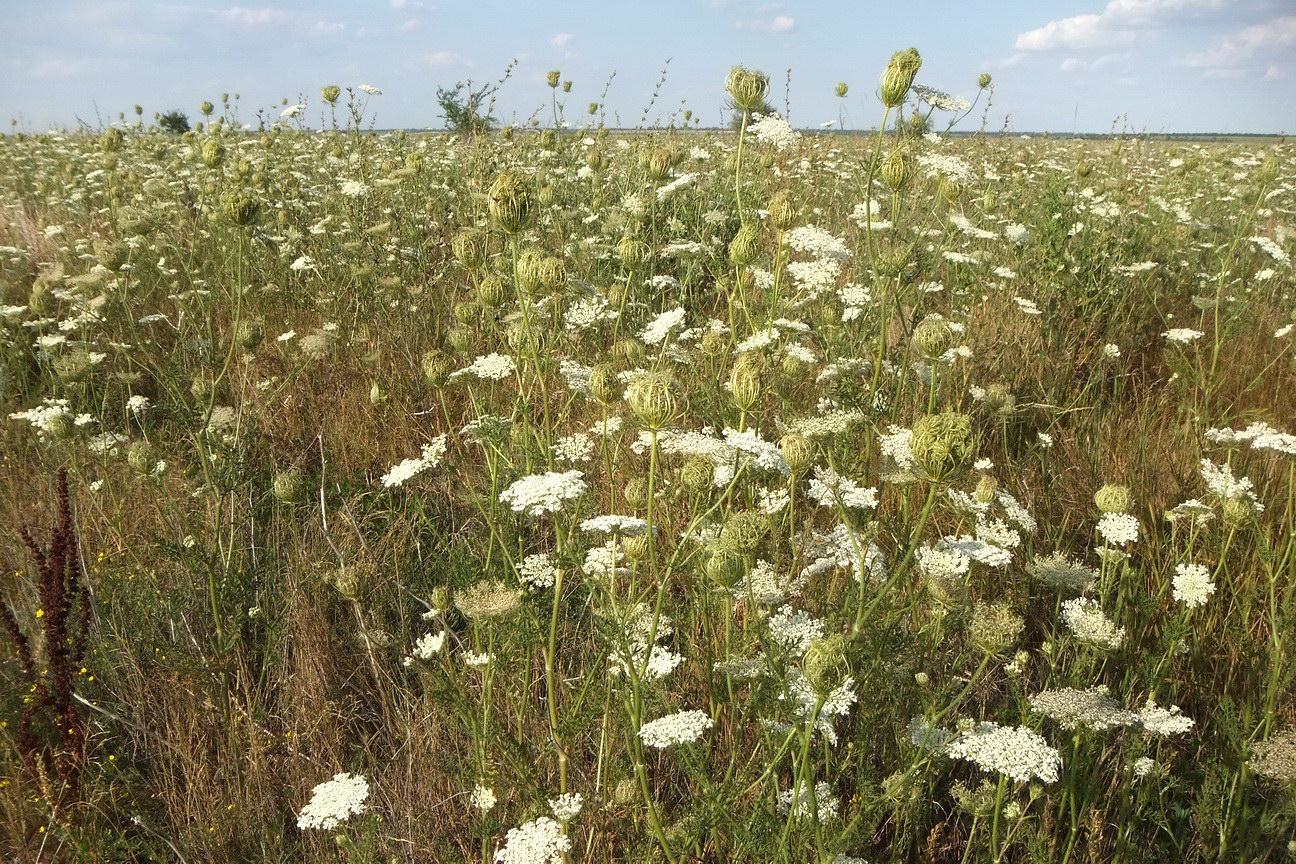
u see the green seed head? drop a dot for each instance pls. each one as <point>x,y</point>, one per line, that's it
<point>512,202</point>
<point>899,77</point>
<point>1113,499</point>
<point>651,399</point>
<point>942,443</point>
<point>746,87</point>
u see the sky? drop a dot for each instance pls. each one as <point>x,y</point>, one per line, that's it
<point>1057,65</point>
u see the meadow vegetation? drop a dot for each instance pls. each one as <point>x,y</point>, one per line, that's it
<point>563,494</point>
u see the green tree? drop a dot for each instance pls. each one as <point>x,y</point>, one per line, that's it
<point>462,108</point>
<point>175,122</point>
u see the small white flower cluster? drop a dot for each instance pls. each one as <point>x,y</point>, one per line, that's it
<point>428,645</point>
<point>1192,585</point>
<point>1090,709</point>
<point>538,570</point>
<point>1118,529</point>
<point>482,798</point>
<point>661,326</point>
<point>1084,617</point>
<point>1260,436</point>
<point>408,468</point>
<point>334,801</point>
<point>538,842</point>
<point>802,803</point>
<point>538,494</point>
<point>1164,721</point>
<point>1183,335</point>
<point>831,489</point>
<point>1019,753</point>
<point>566,806</point>
<point>626,526</point>
<point>1222,484</point>
<point>490,367</point>
<point>773,130</point>
<point>767,585</point>
<point>683,727</point>
<point>813,240</point>
<point>794,628</point>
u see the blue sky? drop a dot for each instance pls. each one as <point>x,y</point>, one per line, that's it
<point>1156,65</point>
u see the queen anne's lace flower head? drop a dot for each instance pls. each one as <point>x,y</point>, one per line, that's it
<point>334,802</point>
<point>683,727</point>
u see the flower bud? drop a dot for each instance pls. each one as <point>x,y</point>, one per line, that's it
<point>469,249</point>
<point>743,532</point>
<point>331,93</point>
<point>553,77</point>
<point>289,487</point>
<point>724,568</point>
<point>1238,512</point>
<point>782,212</point>
<point>841,89</point>
<point>249,334</point>
<point>696,475</point>
<point>898,169</point>
<point>746,87</point>
<point>826,666</point>
<point>995,627</point>
<point>142,458</point>
<point>436,367</point>
<point>983,81</point>
<point>798,451</point>
<point>112,140</point>
<point>745,381</point>
<point>1113,499</point>
<point>652,401</point>
<point>206,108</point>
<point>634,253</point>
<point>899,77</point>
<point>659,164</point>
<point>1000,400</point>
<point>986,488</point>
<point>745,246</point>
<point>636,492</point>
<point>492,292</point>
<point>942,443</point>
<point>512,202</point>
<point>239,208</point>
<point>932,338</point>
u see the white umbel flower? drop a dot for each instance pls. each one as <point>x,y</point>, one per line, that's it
<point>1019,753</point>
<point>566,806</point>
<point>1192,585</point>
<point>683,727</point>
<point>334,801</point>
<point>535,842</point>
<point>1084,617</point>
<point>538,494</point>
<point>408,468</point>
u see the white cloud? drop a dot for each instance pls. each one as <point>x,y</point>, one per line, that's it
<point>1253,45</point>
<point>406,5</point>
<point>1122,22</point>
<point>560,40</point>
<point>1275,73</point>
<point>411,24</point>
<point>243,16</point>
<point>436,60</point>
<point>755,16</point>
<point>60,68</point>
<point>1076,64</point>
<point>252,17</point>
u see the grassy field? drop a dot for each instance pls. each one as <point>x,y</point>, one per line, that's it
<point>725,497</point>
